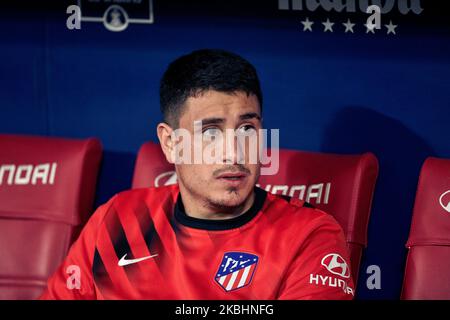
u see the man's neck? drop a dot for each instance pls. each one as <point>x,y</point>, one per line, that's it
<point>202,209</point>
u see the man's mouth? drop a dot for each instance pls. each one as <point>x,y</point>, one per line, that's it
<point>232,178</point>
<point>232,175</point>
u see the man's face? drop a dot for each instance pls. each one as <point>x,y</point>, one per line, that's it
<point>229,182</point>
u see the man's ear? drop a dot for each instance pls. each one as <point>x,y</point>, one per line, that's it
<point>166,140</point>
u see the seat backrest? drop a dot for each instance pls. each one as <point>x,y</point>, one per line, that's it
<point>341,185</point>
<point>427,271</point>
<point>47,188</point>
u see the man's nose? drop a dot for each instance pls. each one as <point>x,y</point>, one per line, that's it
<point>234,152</point>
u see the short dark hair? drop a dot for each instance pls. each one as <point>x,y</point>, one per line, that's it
<point>202,70</point>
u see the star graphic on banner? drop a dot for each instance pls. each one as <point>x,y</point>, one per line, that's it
<point>391,27</point>
<point>307,25</point>
<point>349,26</point>
<point>328,26</point>
<point>370,27</point>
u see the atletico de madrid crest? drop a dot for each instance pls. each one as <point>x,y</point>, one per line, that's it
<point>236,270</point>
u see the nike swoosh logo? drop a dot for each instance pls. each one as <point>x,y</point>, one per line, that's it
<point>124,262</point>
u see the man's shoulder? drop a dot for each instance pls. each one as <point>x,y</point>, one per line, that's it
<point>134,199</point>
<point>150,193</point>
<point>301,213</point>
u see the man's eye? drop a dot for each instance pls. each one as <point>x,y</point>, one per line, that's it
<point>248,128</point>
<point>211,132</point>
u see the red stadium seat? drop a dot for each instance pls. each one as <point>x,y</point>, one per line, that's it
<point>427,272</point>
<point>342,185</point>
<point>47,188</point>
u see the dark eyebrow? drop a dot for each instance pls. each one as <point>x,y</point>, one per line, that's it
<point>250,115</point>
<point>212,121</point>
<point>245,116</point>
